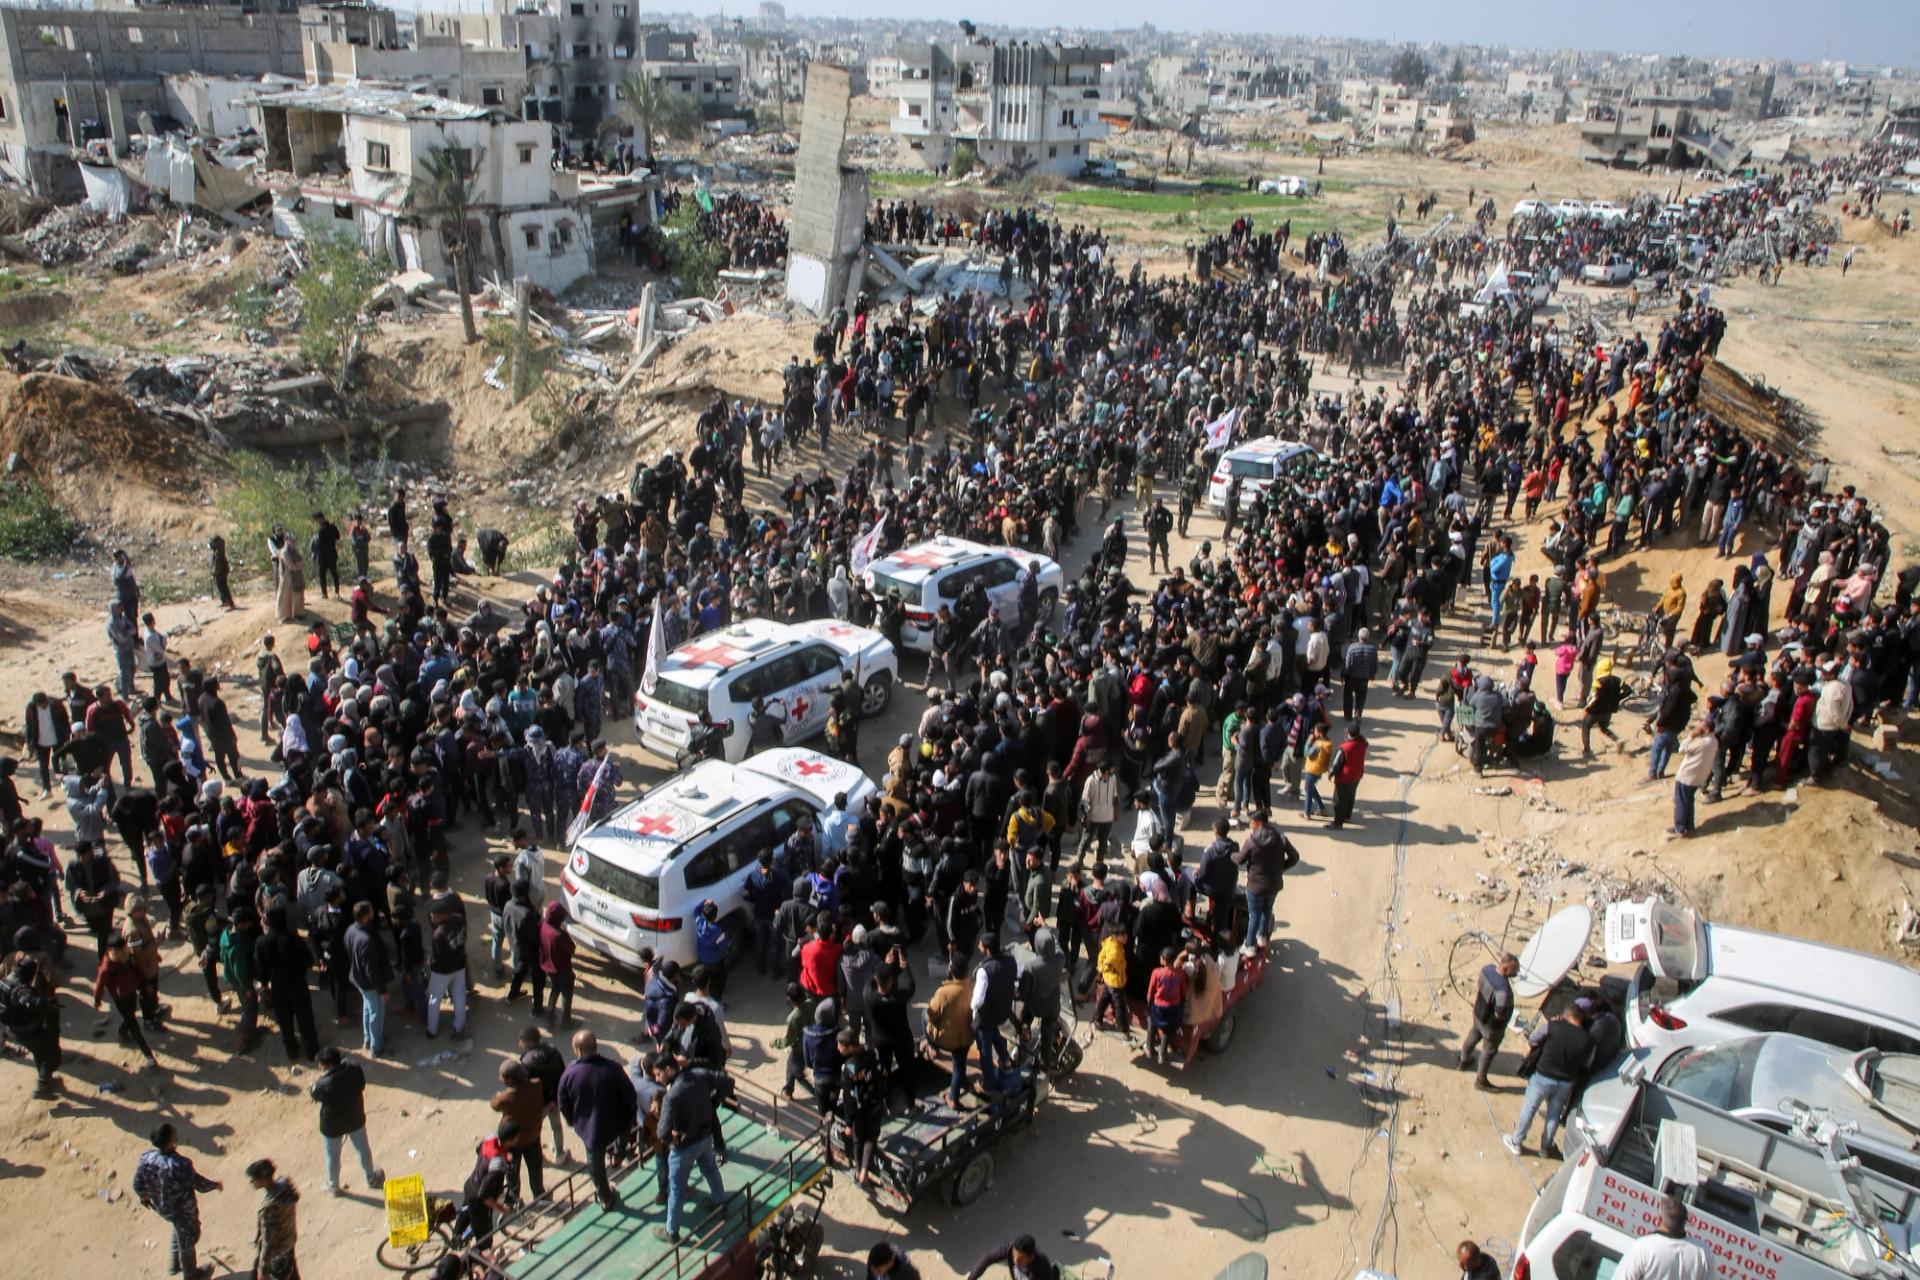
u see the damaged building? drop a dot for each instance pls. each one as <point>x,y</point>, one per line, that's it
<point>345,159</point>
<point>1020,106</point>
<point>69,77</point>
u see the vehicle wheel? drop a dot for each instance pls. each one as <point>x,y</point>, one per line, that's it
<point>1048,599</point>
<point>1222,1035</point>
<point>1069,1061</point>
<point>972,1181</point>
<point>876,693</point>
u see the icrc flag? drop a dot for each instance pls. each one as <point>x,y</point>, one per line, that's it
<point>869,542</point>
<point>1220,430</point>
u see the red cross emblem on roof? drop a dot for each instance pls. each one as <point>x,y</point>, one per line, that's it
<point>654,824</point>
<point>718,655</point>
<point>921,556</point>
<point>809,768</point>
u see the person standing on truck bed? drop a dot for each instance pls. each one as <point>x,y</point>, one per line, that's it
<point>1666,1254</point>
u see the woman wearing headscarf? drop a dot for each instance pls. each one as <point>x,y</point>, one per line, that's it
<point>1763,576</point>
<point>1818,601</point>
<point>1739,610</point>
<point>1713,606</point>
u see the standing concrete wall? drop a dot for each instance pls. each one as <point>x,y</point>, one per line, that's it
<point>829,200</point>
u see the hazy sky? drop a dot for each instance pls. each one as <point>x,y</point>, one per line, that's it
<point>1859,30</point>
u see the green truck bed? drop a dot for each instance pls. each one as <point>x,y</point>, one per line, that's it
<point>764,1170</point>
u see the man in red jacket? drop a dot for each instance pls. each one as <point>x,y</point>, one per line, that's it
<point>1349,766</point>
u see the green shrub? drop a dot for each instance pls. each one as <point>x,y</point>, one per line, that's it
<point>32,525</point>
<point>965,158</point>
<point>696,261</point>
<point>268,491</point>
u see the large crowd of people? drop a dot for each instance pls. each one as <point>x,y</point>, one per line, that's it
<point>1050,785</point>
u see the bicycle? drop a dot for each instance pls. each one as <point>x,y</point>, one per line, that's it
<point>1649,640</point>
<point>426,1257</point>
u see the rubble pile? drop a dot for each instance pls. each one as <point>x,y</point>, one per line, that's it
<point>1536,871</point>
<point>70,233</point>
<point>75,233</point>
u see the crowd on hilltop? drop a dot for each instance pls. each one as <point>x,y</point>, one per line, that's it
<point>1095,730</point>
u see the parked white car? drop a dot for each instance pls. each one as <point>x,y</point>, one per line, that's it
<point>1531,209</point>
<point>1572,210</point>
<point>638,879</point>
<point>930,574</point>
<point>795,666</point>
<point>1700,983</point>
<point>1605,211</point>
<point>1258,463</point>
<point>1615,268</point>
<point>1285,185</point>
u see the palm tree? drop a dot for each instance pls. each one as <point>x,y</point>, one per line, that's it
<point>649,110</point>
<point>442,195</point>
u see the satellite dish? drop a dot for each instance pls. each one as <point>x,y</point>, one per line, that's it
<point>1553,951</point>
<point>1248,1266</point>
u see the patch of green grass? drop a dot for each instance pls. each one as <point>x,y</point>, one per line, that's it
<point>271,491</point>
<point>539,545</point>
<point>32,525</point>
<point>900,179</point>
<point>1214,196</point>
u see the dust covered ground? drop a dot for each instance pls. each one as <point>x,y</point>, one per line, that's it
<point>1333,1134</point>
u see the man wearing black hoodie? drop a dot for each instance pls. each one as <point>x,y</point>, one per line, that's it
<point>281,964</point>
<point>1266,854</point>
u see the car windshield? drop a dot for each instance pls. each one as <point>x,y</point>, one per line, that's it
<point>681,697</point>
<point>1720,1074</point>
<point>884,582</point>
<point>1253,468</point>
<point>1676,940</point>
<point>618,882</point>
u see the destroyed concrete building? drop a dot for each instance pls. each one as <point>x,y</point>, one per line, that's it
<point>576,53</point>
<point>347,159</point>
<point>72,76</point>
<point>482,74</point>
<point>1020,106</point>
<point>828,223</point>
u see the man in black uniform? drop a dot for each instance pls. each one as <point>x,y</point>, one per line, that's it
<point>1159,524</point>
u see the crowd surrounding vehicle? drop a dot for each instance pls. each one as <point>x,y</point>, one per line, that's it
<point>930,574</point>
<point>638,879</point>
<point>1257,464</point>
<point>794,667</point>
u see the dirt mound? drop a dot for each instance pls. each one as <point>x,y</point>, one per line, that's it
<point>428,359</point>
<point>99,453</point>
<point>742,359</point>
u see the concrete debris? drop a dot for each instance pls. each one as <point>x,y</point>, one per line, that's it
<point>1544,875</point>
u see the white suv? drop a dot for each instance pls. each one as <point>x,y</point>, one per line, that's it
<point>1258,463</point>
<point>1700,983</point>
<point>797,666</point>
<point>638,879</point>
<point>930,574</point>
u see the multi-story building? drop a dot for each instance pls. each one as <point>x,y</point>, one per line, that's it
<point>1018,105</point>
<point>579,51</point>
<point>70,76</point>
<point>481,74</point>
<point>345,159</point>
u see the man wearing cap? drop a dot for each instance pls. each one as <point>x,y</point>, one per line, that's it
<point>1832,712</point>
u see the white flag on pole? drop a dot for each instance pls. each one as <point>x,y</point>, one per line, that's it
<point>1220,430</point>
<point>584,819</point>
<point>869,542</point>
<point>656,649</point>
